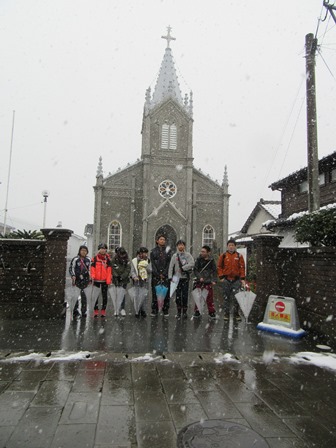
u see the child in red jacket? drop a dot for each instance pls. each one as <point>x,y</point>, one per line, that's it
<point>101,274</point>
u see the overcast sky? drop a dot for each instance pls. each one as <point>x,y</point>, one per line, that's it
<point>76,71</point>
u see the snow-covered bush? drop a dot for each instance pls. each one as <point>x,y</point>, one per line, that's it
<point>317,228</point>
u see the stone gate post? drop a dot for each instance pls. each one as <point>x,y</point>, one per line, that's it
<point>268,272</point>
<point>54,271</point>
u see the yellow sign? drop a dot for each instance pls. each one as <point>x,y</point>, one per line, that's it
<point>282,317</point>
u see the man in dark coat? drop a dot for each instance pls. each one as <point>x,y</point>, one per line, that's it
<point>160,259</point>
<point>205,271</point>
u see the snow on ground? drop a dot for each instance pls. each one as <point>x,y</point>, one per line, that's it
<point>225,358</point>
<point>148,357</point>
<point>327,360</point>
<point>59,355</point>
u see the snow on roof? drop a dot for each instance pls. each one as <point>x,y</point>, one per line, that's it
<point>299,175</point>
<point>295,216</point>
<point>272,207</point>
<point>244,239</point>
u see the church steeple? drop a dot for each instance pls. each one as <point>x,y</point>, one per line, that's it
<point>167,84</point>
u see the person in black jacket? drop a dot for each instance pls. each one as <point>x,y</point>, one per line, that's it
<point>160,259</point>
<point>205,271</point>
<point>79,270</point>
<point>121,268</point>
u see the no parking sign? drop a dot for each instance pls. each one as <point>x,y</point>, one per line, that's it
<point>281,316</point>
<point>280,310</point>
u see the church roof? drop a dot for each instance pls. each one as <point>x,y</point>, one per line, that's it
<point>167,84</point>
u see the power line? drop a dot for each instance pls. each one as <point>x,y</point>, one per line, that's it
<point>24,206</point>
<point>291,138</point>
<point>320,20</point>
<point>283,133</point>
<point>320,53</point>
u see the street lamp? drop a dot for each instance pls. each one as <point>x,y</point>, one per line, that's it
<point>45,194</point>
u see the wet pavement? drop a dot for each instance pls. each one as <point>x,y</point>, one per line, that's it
<point>127,382</point>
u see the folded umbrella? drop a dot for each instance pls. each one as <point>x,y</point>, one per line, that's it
<point>245,300</point>
<point>174,284</point>
<point>161,292</point>
<point>199,295</point>
<point>138,295</point>
<point>117,294</point>
<point>92,294</point>
<point>72,294</point>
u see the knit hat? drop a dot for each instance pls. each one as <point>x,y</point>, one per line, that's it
<point>102,246</point>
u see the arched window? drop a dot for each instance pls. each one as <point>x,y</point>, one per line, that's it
<point>114,235</point>
<point>208,236</point>
<point>169,136</point>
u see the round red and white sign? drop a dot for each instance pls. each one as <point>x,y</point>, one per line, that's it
<point>280,307</point>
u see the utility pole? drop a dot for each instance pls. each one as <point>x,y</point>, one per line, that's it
<point>312,153</point>
<point>9,173</point>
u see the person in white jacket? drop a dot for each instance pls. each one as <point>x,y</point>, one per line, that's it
<point>181,265</point>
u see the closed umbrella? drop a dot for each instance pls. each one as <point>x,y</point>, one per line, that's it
<point>199,295</point>
<point>138,295</point>
<point>72,294</point>
<point>117,294</point>
<point>174,284</point>
<point>245,300</point>
<point>161,292</point>
<point>92,293</point>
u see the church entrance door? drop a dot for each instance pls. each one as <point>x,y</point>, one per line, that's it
<point>169,233</point>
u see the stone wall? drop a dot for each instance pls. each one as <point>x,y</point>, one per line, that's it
<point>32,275</point>
<point>306,274</point>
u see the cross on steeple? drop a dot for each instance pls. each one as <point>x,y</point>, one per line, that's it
<point>168,37</point>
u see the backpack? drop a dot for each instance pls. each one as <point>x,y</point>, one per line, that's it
<point>239,255</point>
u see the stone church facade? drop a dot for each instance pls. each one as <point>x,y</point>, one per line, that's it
<point>162,193</point>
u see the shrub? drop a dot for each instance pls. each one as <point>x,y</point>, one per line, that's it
<point>317,228</point>
<point>24,235</point>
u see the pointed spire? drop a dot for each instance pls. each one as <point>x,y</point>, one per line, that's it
<point>167,84</point>
<point>225,178</point>
<point>191,104</point>
<point>100,167</point>
<point>148,101</point>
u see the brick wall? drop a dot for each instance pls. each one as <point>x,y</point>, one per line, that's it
<point>306,274</point>
<point>32,275</point>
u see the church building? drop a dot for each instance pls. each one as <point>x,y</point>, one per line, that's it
<point>162,192</point>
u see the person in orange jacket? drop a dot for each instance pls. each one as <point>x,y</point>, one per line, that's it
<point>101,275</point>
<point>231,272</point>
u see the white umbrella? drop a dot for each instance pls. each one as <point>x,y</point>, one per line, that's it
<point>245,300</point>
<point>199,295</point>
<point>138,295</point>
<point>117,294</point>
<point>174,284</point>
<point>92,293</point>
<point>72,294</point>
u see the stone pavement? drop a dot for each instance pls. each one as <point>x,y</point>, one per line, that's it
<point>114,396</point>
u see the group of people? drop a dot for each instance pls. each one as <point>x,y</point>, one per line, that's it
<point>162,266</point>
